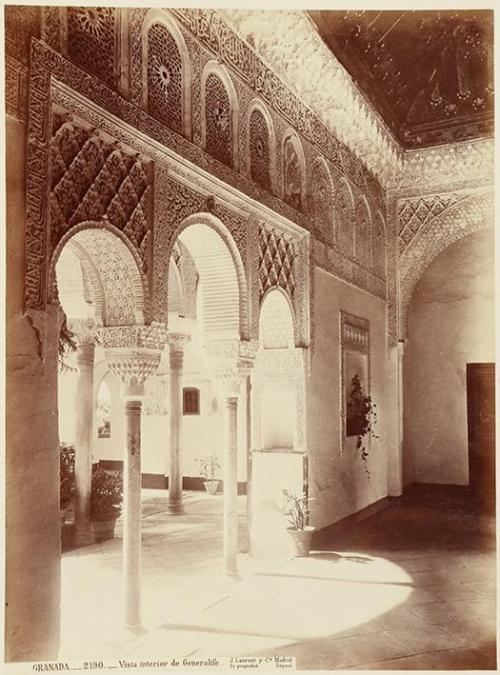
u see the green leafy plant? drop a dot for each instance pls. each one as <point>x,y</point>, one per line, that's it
<point>66,475</point>
<point>209,466</point>
<point>66,345</point>
<point>361,418</point>
<point>296,508</point>
<point>107,493</point>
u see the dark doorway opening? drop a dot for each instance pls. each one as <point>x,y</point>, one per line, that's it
<point>481,432</point>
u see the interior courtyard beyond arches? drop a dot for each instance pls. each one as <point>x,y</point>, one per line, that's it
<point>250,358</point>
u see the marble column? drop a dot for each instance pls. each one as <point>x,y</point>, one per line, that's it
<point>176,360</point>
<point>84,436</point>
<point>401,348</point>
<point>132,365</point>
<point>230,511</point>
<point>132,511</point>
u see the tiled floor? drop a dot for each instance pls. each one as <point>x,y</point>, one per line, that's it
<point>411,588</point>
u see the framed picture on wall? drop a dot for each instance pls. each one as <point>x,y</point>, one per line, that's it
<point>355,372</point>
<point>356,388</point>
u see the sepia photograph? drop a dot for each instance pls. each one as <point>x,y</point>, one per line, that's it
<point>249,338</point>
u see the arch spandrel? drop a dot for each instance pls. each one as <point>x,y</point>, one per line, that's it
<point>467,216</point>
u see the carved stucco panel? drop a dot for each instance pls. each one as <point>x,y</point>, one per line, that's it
<point>469,215</point>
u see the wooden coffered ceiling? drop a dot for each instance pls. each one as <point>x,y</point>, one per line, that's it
<point>429,74</point>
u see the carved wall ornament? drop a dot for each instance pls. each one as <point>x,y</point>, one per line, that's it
<point>277,256</point>
<point>474,213</point>
<point>293,172</point>
<point>112,267</point>
<point>16,88</point>
<point>344,210</point>
<point>91,177</point>
<point>219,116</point>
<point>165,81</point>
<point>321,200</point>
<point>259,148</point>
<point>92,40</point>
<point>379,246</point>
<point>363,233</point>
<point>219,37</point>
<point>414,213</point>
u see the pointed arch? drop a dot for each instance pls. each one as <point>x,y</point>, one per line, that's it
<point>362,232</point>
<point>379,248</point>
<point>344,211</point>
<point>261,162</point>
<point>321,198</point>
<point>294,171</point>
<point>224,252</point>
<point>157,24</point>
<point>220,111</point>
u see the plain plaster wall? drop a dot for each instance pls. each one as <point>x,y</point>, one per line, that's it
<point>451,323</point>
<point>337,478</point>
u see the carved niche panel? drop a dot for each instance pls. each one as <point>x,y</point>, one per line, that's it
<point>259,150</point>
<point>164,78</point>
<point>90,178</point>
<point>321,200</point>
<point>345,219</point>
<point>92,41</point>
<point>292,177</point>
<point>363,233</point>
<point>378,246</point>
<point>218,120</point>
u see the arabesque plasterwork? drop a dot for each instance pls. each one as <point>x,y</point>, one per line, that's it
<point>443,172</point>
<point>473,213</point>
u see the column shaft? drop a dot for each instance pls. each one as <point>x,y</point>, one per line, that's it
<point>132,515</point>
<point>401,346</point>
<point>83,440</point>
<point>230,513</point>
<point>175,472</point>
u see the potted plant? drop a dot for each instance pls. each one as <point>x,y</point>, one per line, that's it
<point>105,502</point>
<point>298,514</point>
<point>362,416</point>
<point>209,466</point>
<point>66,477</point>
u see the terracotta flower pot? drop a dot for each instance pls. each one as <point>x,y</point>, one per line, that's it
<point>302,539</point>
<point>103,527</point>
<point>211,486</point>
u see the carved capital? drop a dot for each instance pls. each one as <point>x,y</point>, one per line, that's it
<point>231,362</point>
<point>132,367</point>
<point>133,354</point>
<point>84,330</point>
<point>177,341</point>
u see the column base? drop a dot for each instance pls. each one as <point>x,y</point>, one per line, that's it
<point>83,537</point>
<point>136,628</point>
<point>175,508</point>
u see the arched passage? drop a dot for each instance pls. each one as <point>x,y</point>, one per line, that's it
<point>221,274</point>
<point>110,269</point>
<point>450,322</point>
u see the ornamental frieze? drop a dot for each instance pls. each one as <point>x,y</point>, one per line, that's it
<point>215,34</point>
